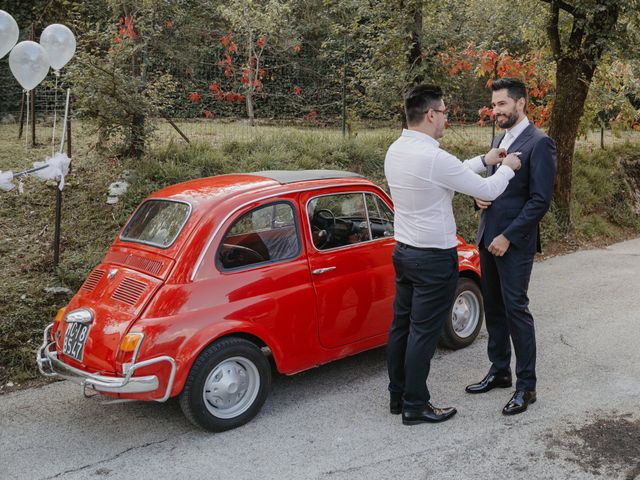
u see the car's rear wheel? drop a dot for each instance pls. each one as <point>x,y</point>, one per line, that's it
<point>465,319</point>
<point>227,385</point>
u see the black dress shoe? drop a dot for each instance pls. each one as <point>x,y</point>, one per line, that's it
<point>519,402</point>
<point>491,381</point>
<point>429,414</point>
<point>395,406</point>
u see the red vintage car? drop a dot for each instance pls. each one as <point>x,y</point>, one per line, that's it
<point>212,280</point>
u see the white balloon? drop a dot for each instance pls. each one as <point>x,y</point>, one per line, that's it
<point>60,44</point>
<point>9,33</point>
<point>29,63</point>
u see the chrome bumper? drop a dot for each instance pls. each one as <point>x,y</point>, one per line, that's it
<point>51,366</point>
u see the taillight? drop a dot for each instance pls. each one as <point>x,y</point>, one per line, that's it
<point>56,323</point>
<point>60,314</point>
<point>129,347</point>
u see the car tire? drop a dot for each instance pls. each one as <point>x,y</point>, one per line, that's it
<point>227,385</point>
<point>465,317</point>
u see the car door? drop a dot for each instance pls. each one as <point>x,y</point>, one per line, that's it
<point>350,234</point>
<point>261,282</point>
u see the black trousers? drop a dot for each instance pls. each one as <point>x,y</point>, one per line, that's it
<point>505,281</point>
<point>426,281</point>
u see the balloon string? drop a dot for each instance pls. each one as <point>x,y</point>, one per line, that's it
<point>55,117</point>
<point>64,123</point>
<point>26,135</point>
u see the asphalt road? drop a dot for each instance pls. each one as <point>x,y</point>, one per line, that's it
<point>333,423</point>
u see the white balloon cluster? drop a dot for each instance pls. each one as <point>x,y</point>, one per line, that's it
<point>30,61</point>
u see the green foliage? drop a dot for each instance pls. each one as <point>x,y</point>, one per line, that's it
<point>292,149</point>
<point>112,85</point>
<point>111,99</point>
<point>609,105</point>
<point>603,199</point>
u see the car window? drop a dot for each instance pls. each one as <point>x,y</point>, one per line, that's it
<point>380,217</point>
<point>265,234</point>
<point>157,223</point>
<point>338,220</point>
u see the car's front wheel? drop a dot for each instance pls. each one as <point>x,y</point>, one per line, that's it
<point>227,385</point>
<point>465,319</point>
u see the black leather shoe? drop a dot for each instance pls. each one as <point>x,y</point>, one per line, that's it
<point>429,414</point>
<point>491,381</point>
<point>395,406</point>
<point>519,402</point>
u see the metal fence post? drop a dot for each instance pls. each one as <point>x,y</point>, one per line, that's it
<point>344,88</point>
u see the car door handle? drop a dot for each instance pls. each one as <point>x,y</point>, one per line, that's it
<point>320,271</point>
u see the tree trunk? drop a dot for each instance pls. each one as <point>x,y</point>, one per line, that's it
<point>414,57</point>
<point>137,139</point>
<point>250,89</point>
<point>573,79</point>
<point>250,112</point>
<point>136,149</point>
<point>414,54</point>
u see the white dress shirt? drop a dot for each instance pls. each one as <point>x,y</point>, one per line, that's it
<point>422,179</point>
<point>512,133</point>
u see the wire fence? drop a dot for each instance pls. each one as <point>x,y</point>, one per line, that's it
<point>303,86</point>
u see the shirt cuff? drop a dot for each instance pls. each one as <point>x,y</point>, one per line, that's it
<point>506,171</point>
<point>476,164</point>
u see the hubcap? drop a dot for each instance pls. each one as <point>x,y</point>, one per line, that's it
<point>231,387</point>
<point>465,314</point>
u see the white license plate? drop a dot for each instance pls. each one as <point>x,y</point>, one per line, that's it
<point>75,339</point>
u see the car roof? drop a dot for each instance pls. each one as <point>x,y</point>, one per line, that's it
<point>291,176</point>
<point>204,192</point>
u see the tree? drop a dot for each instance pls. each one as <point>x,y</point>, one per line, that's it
<point>578,32</point>
<point>608,104</point>
<point>120,81</point>
<point>256,22</point>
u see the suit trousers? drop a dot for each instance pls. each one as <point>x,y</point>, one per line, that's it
<point>426,282</point>
<point>505,281</point>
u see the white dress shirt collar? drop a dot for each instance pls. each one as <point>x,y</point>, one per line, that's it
<point>518,128</point>
<point>419,135</point>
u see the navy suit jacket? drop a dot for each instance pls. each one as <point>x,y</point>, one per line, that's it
<point>517,212</point>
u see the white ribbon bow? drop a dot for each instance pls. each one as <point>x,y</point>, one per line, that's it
<point>57,167</point>
<point>6,179</point>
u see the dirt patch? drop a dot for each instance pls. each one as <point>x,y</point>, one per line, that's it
<point>10,387</point>
<point>604,446</point>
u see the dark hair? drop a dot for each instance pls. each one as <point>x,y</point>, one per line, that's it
<point>418,100</point>
<point>516,88</point>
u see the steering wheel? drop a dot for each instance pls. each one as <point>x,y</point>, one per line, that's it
<point>239,255</point>
<point>325,214</point>
<point>322,218</point>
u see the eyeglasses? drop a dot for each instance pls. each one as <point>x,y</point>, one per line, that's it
<point>444,111</point>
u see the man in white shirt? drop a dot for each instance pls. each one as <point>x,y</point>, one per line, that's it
<point>508,238</point>
<point>422,179</point>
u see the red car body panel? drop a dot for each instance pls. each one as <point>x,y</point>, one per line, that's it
<point>182,301</point>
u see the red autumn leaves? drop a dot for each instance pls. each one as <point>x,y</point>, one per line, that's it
<point>125,29</point>
<point>248,78</point>
<point>497,65</point>
<point>218,94</point>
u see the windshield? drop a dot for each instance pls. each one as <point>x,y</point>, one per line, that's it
<point>157,223</point>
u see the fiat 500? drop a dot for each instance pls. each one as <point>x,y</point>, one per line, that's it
<point>213,281</point>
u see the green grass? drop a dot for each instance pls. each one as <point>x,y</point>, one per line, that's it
<point>602,210</point>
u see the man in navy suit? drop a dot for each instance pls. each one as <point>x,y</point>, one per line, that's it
<point>508,239</point>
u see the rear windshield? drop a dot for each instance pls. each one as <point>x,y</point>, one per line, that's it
<point>157,223</point>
